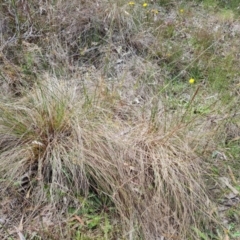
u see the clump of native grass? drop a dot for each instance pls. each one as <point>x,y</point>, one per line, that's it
<point>69,142</point>
<point>40,137</point>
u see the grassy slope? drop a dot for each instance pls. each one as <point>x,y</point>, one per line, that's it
<point>101,130</point>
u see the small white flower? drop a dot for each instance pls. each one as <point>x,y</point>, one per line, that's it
<point>37,143</point>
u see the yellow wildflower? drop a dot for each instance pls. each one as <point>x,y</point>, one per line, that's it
<point>191,80</point>
<point>145,5</point>
<point>181,10</point>
<point>131,3</point>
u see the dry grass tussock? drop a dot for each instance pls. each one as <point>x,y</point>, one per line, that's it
<point>59,138</point>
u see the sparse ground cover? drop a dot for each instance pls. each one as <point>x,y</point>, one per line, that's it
<point>119,119</point>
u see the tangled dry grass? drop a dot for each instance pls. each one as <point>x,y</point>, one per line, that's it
<point>149,172</point>
<point>93,102</point>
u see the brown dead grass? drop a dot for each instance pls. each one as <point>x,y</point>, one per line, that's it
<point>109,126</point>
<point>145,169</point>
